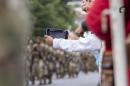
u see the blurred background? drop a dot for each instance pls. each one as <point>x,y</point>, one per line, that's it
<point>25,60</point>
<point>62,14</point>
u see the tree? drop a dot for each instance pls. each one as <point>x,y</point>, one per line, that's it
<point>50,13</point>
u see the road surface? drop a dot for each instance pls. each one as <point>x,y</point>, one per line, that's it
<point>90,79</point>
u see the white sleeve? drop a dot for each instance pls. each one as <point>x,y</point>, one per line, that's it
<point>64,44</point>
<point>83,44</point>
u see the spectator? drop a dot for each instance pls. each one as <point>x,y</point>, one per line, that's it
<point>90,43</point>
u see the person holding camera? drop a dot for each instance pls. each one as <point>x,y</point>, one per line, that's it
<point>88,43</point>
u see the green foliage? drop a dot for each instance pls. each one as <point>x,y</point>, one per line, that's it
<point>50,13</point>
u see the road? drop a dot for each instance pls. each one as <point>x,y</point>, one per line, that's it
<point>90,79</point>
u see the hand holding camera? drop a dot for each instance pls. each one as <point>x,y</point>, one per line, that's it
<point>54,33</point>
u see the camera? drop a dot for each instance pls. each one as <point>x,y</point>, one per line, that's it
<point>57,33</point>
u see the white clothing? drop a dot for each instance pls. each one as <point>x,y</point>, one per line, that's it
<point>89,43</point>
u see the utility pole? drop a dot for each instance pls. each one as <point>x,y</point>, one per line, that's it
<point>118,42</point>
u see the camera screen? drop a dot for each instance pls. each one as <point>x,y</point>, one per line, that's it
<point>57,33</point>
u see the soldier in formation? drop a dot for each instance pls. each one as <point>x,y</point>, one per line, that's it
<point>42,62</point>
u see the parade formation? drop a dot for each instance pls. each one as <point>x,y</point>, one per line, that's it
<point>42,62</point>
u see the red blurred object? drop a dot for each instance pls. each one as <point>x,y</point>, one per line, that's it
<point>93,21</point>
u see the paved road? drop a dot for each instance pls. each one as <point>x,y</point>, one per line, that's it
<point>91,79</point>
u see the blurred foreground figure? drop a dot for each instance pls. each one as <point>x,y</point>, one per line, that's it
<point>94,21</point>
<point>14,26</point>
